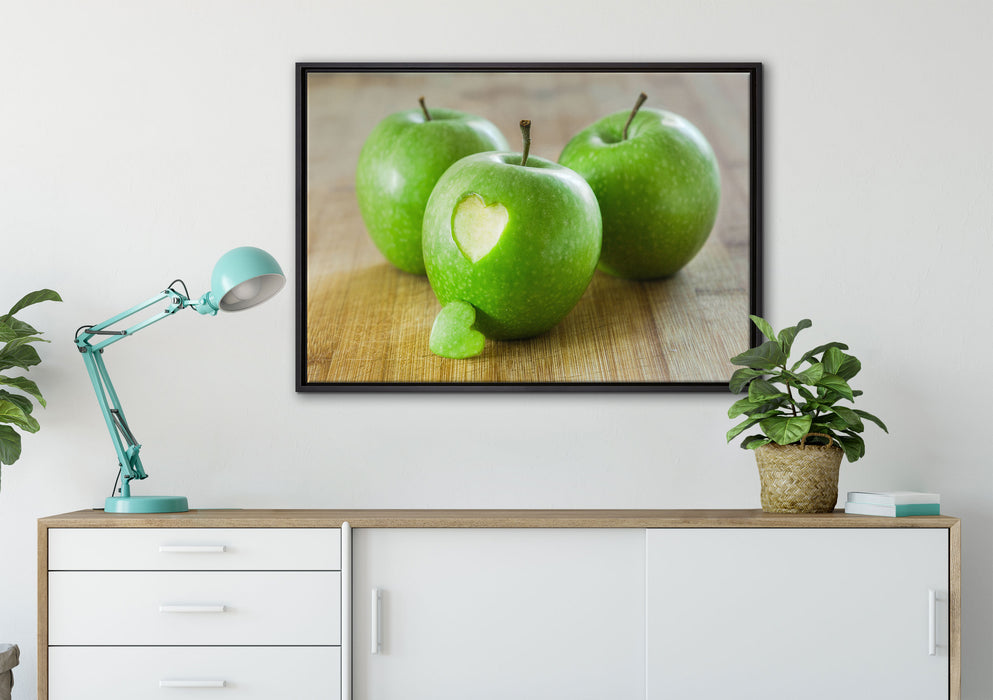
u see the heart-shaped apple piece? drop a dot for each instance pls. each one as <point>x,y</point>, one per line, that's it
<point>477,226</point>
<point>453,335</point>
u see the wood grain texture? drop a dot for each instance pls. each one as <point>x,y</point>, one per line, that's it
<point>497,518</point>
<point>367,322</point>
<point>42,611</point>
<point>955,611</point>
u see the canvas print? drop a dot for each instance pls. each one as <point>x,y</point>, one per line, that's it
<point>512,226</point>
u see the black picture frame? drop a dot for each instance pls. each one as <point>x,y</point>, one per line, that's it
<point>331,98</point>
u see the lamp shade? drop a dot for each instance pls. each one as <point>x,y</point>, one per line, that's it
<point>244,277</point>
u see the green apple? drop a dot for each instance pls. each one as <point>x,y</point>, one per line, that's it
<point>401,160</point>
<point>658,185</point>
<point>515,239</point>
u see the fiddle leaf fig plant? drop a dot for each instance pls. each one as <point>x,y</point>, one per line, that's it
<point>16,352</point>
<point>792,400</point>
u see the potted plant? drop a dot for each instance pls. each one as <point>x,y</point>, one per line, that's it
<point>802,411</point>
<point>16,352</point>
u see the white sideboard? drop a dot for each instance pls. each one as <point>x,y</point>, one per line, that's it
<point>436,604</point>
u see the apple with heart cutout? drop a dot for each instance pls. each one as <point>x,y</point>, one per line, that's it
<point>510,245</point>
<point>658,184</point>
<point>400,163</point>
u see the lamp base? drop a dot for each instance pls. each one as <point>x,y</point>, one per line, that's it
<point>146,504</point>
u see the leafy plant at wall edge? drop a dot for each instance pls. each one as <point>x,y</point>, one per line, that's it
<point>788,402</point>
<point>16,352</point>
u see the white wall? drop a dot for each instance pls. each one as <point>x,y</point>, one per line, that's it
<point>139,141</point>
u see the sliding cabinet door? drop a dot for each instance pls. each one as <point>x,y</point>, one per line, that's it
<point>495,614</point>
<point>781,614</point>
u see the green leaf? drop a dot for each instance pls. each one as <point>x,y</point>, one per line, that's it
<point>764,326</point>
<point>766,356</point>
<point>741,377</point>
<point>25,385</point>
<point>812,374</point>
<point>34,298</point>
<point>23,402</point>
<point>850,418</point>
<point>23,357</point>
<point>833,421</point>
<point>844,365</point>
<point>753,441</point>
<point>10,412</point>
<point>763,390</point>
<point>836,384</point>
<point>785,430</point>
<point>869,417</point>
<point>810,354</point>
<point>20,328</point>
<point>788,335</point>
<point>6,333</point>
<point>826,399</point>
<point>23,340</point>
<point>747,423</point>
<point>10,445</point>
<point>814,404</point>
<point>832,360</point>
<point>853,445</point>
<point>744,405</point>
<point>849,367</point>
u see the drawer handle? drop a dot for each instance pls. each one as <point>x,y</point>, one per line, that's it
<point>191,548</point>
<point>191,608</point>
<point>192,684</point>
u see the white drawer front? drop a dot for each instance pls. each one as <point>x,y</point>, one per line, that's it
<point>247,673</point>
<point>135,549</point>
<point>194,607</point>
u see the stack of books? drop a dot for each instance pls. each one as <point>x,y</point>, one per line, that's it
<point>893,504</point>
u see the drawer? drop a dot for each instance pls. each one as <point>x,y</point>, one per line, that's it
<point>247,673</point>
<point>134,549</point>
<point>194,607</point>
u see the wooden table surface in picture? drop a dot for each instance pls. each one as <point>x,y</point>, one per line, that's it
<point>367,322</point>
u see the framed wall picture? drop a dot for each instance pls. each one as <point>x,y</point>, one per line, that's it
<point>527,307</point>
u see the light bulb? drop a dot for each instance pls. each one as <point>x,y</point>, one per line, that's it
<point>247,290</point>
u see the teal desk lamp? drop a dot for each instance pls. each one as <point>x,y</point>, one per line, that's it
<point>242,278</point>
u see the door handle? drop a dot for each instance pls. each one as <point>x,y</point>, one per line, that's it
<point>377,621</point>
<point>932,621</point>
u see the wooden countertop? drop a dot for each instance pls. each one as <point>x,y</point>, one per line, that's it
<point>444,518</point>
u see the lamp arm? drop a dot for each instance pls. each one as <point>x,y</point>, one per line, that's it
<point>125,444</point>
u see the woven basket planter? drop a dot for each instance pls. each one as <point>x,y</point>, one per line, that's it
<point>799,478</point>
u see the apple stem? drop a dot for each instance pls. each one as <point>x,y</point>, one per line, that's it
<point>526,135</point>
<point>424,108</point>
<point>637,105</point>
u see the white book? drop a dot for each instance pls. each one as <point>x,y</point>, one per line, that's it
<point>892,498</point>
<point>896,511</point>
